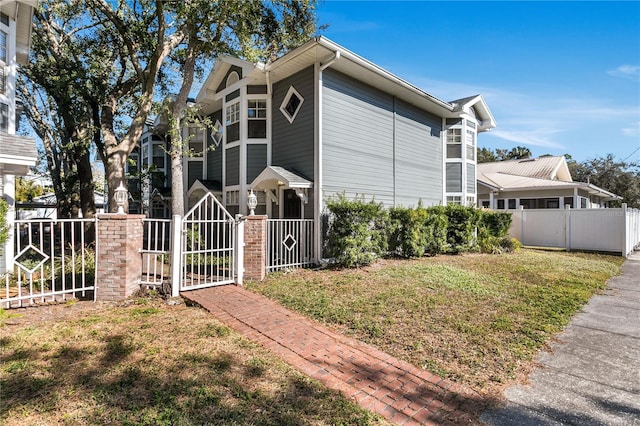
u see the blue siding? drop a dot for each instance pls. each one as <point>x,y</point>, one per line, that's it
<point>292,143</point>
<point>194,171</point>
<point>377,146</point>
<point>357,145</point>
<point>418,156</point>
<point>256,160</point>
<point>233,166</point>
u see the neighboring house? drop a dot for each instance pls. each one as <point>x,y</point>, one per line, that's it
<point>321,121</point>
<point>536,183</point>
<point>17,153</point>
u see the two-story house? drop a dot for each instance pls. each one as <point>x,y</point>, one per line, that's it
<point>321,121</point>
<point>17,153</point>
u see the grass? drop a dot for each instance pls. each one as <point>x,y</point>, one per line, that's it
<point>150,363</point>
<point>476,319</point>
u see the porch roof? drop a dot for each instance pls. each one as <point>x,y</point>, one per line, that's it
<point>274,176</point>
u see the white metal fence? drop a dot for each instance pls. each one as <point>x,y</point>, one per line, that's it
<point>156,253</point>
<point>54,260</point>
<point>289,243</point>
<point>609,230</point>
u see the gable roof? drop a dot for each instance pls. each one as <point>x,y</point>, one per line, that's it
<point>329,54</point>
<point>274,176</point>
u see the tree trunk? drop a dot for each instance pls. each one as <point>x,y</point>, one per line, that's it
<point>177,189</point>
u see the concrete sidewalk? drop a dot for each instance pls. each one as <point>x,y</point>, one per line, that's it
<point>592,375</point>
<point>397,390</point>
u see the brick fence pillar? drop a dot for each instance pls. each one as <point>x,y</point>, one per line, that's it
<point>255,247</point>
<point>119,262</point>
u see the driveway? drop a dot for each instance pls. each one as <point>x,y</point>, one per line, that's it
<point>592,374</point>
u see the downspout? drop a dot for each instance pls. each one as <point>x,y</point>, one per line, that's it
<point>331,62</point>
<point>317,185</point>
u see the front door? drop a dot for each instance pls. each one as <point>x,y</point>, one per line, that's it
<point>292,205</point>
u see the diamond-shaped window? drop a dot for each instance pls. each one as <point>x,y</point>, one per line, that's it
<point>291,104</point>
<point>30,259</point>
<point>216,133</point>
<point>289,242</point>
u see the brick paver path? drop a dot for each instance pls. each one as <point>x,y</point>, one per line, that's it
<point>397,390</point>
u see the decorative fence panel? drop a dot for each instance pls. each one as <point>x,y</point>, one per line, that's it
<point>290,243</point>
<point>156,253</point>
<point>54,260</point>
<point>607,230</point>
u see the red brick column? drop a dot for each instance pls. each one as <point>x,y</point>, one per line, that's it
<point>255,247</point>
<point>119,262</point>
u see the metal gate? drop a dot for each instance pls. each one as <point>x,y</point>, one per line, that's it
<point>209,243</point>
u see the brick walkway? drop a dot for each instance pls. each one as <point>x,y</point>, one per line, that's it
<point>397,390</point>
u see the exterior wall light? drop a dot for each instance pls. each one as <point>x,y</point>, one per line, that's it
<point>120,195</point>
<point>252,203</point>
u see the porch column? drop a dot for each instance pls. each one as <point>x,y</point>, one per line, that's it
<point>118,260</point>
<point>255,247</point>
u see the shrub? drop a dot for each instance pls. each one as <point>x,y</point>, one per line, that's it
<point>496,223</point>
<point>437,225</point>
<point>356,233</point>
<point>462,223</point>
<point>409,231</point>
<point>493,233</point>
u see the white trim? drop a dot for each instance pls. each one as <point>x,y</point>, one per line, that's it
<point>232,74</point>
<point>292,91</point>
<point>318,202</point>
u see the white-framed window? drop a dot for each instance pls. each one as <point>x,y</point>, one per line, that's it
<point>232,78</point>
<point>233,198</point>
<point>257,109</point>
<point>216,133</point>
<point>471,201</point>
<point>232,114</point>
<point>454,199</point>
<point>257,118</point>
<point>454,135</point>
<point>196,141</point>
<point>158,155</point>
<point>3,47</point>
<point>3,80</point>
<point>4,117</point>
<point>291,104</point>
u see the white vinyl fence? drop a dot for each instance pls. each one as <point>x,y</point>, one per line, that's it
<point>156,253</point>
<point>606,230</point>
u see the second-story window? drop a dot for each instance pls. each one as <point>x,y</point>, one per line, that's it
<point>257,118</point>
<point>232,122</point>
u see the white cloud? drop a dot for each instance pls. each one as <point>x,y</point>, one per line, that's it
<point>630,72</point>
<point>634,130</point>
<point>531,137</point>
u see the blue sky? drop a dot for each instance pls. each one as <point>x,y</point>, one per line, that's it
<point>559,77</point>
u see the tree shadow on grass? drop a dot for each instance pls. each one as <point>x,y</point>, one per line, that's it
<point>197,389</point>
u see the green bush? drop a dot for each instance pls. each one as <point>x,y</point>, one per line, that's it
<point>462,224</point>
<point>496,223</point>
<point>408,231</point>
<point>357,231</point>
<point>437,225</point>
<point>493,233</point>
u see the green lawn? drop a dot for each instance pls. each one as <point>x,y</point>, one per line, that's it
<point>148,363</point>
<point>477,319</point>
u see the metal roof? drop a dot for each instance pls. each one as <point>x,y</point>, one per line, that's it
<point>551,168</point>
